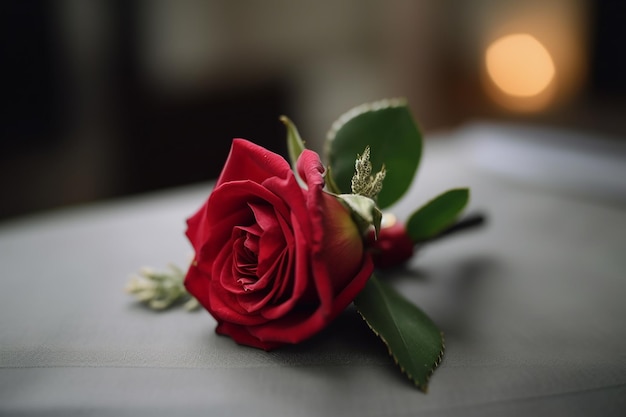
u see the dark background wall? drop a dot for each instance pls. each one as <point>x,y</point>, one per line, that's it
<point>86,116</point>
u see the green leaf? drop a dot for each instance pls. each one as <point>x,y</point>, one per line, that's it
<point>413,340</point>
<point>394,139</point>
<point>437,214</point>
<point>295,144</point>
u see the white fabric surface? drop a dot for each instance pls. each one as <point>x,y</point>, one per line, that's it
<point>531,305</point>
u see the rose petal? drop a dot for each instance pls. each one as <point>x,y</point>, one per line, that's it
<point>310,168</point>
<point>300,274</point>
<point>254,301</point>
<point>248,161</point>
<point>342,245</point>
<point>228,206</point>
<point>273,239</point>
<point>224,306</point>
<point>294,329</point>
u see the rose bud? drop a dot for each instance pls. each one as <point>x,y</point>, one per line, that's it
<point>275,261</point>
<point>392,247</point>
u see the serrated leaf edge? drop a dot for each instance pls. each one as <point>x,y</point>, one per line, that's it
<point>357,111</point>
<point>422,386</point>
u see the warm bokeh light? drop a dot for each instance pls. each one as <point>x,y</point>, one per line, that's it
<point>519,65</point>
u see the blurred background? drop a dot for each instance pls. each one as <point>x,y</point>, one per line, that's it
<point>106,98</point>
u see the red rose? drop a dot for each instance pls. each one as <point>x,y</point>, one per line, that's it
<point>275,261</point>
<point>393,246</point>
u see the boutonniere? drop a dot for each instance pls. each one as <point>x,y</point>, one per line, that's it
<point>281,248</point>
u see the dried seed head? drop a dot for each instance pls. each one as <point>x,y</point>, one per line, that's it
<point>362,182</point>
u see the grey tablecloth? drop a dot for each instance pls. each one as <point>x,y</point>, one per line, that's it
<point>532,307</point>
